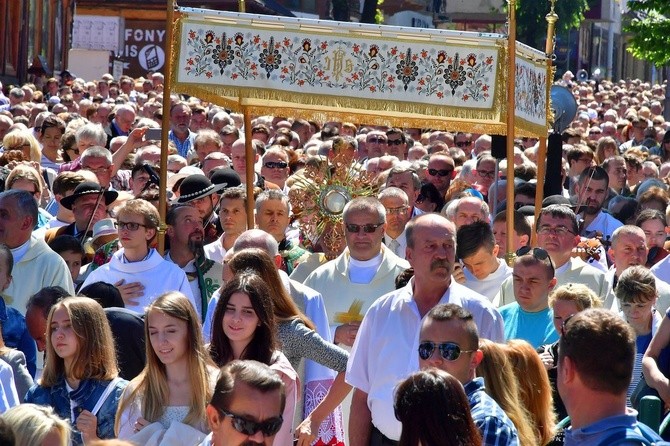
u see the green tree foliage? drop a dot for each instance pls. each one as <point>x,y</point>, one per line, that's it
<point>650,29</point>
<point>531,25</point>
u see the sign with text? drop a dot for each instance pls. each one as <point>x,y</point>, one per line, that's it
<point>144,47</point>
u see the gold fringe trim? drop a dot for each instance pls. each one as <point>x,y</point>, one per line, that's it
<point>323,108</point>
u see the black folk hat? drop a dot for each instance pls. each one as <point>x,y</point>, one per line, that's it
<point>197,186</point>
<point>89,188</point>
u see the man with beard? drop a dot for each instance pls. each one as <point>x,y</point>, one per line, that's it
<point>199,192</point>
<point>591,190</point>
<point>185,232</point>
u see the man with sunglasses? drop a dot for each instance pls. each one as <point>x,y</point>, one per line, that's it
<point>464,142</point>
<point>384,351</point>
<point>449,341</point>
<point>557,233</point>
<point>530,318</point>
<point>440,171</point>
<point>246,407</point>
<point>596,353</point>
<point>396,143</point>
<point>376,143</point>
<point>274,166</point>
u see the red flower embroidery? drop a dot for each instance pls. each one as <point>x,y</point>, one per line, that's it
<point>191,34</point>
<point>208,74</point>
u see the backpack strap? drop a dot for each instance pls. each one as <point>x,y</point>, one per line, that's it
<point>110,387</point>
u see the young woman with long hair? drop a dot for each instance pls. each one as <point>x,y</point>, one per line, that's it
<point>178,379</point>
<point>534,388</point>
<point>244,327</point>
<point>297,337</point>
<point>434,411</point>
<point>503,386</point>
<point>80,379</point>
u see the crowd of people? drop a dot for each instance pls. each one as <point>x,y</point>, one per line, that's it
<point>407,326</point>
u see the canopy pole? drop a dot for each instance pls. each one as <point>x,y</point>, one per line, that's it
<point>551,18</point>
<point>511,77</point>
<point>250,161</point>
<point>167,86</point>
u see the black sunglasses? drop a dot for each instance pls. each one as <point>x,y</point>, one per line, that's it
<point>268,427</point>
<point>450,351</point>
<point>440,172</point>
<point>369,228</point>
<point>565,321</point>
<point>538,253</point>
<point>463,143</point>
<point>377,140</point>
<point>276,165</point>
<point>394,142</point>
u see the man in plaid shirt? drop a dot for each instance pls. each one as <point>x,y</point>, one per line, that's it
<point>449,341</point>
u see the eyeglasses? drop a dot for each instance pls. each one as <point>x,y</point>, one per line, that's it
<point>450,351</point>
<point>585,160</point>
<point>596,132</point>
<point>377,140</point>
<point>396,211</point>
<point>558,230</point>
<point>486,173</point>
<point>129,225</point>
<point>103,169</point>
<point>76,91</point>
<point>368,229</point>
<point>268,427</point>
<point>463,143</point>
<point>440,172</point>
<point>394,142</point>
<point>276,165</point>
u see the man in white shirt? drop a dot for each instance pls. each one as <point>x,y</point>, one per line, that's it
<point>386,345</point>
<point>477,250</point>
<point>557,234</point>
<point>592,188</point>
<point>233,221</point>
<point>397,215</point>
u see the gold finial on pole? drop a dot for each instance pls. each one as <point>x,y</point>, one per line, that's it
<point>241,6</point>
<point>551,19</point>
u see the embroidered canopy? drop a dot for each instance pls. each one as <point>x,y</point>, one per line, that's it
<point>324,70</point>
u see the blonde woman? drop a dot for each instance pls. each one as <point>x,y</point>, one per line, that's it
<point>178,379</point>
<point>37,425</point>
<point>565,301</point>
<point>502,385</point>
<point>80,379</point>
<point>25,142</point>
<point>534,388</point>
<point>25,177</point>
